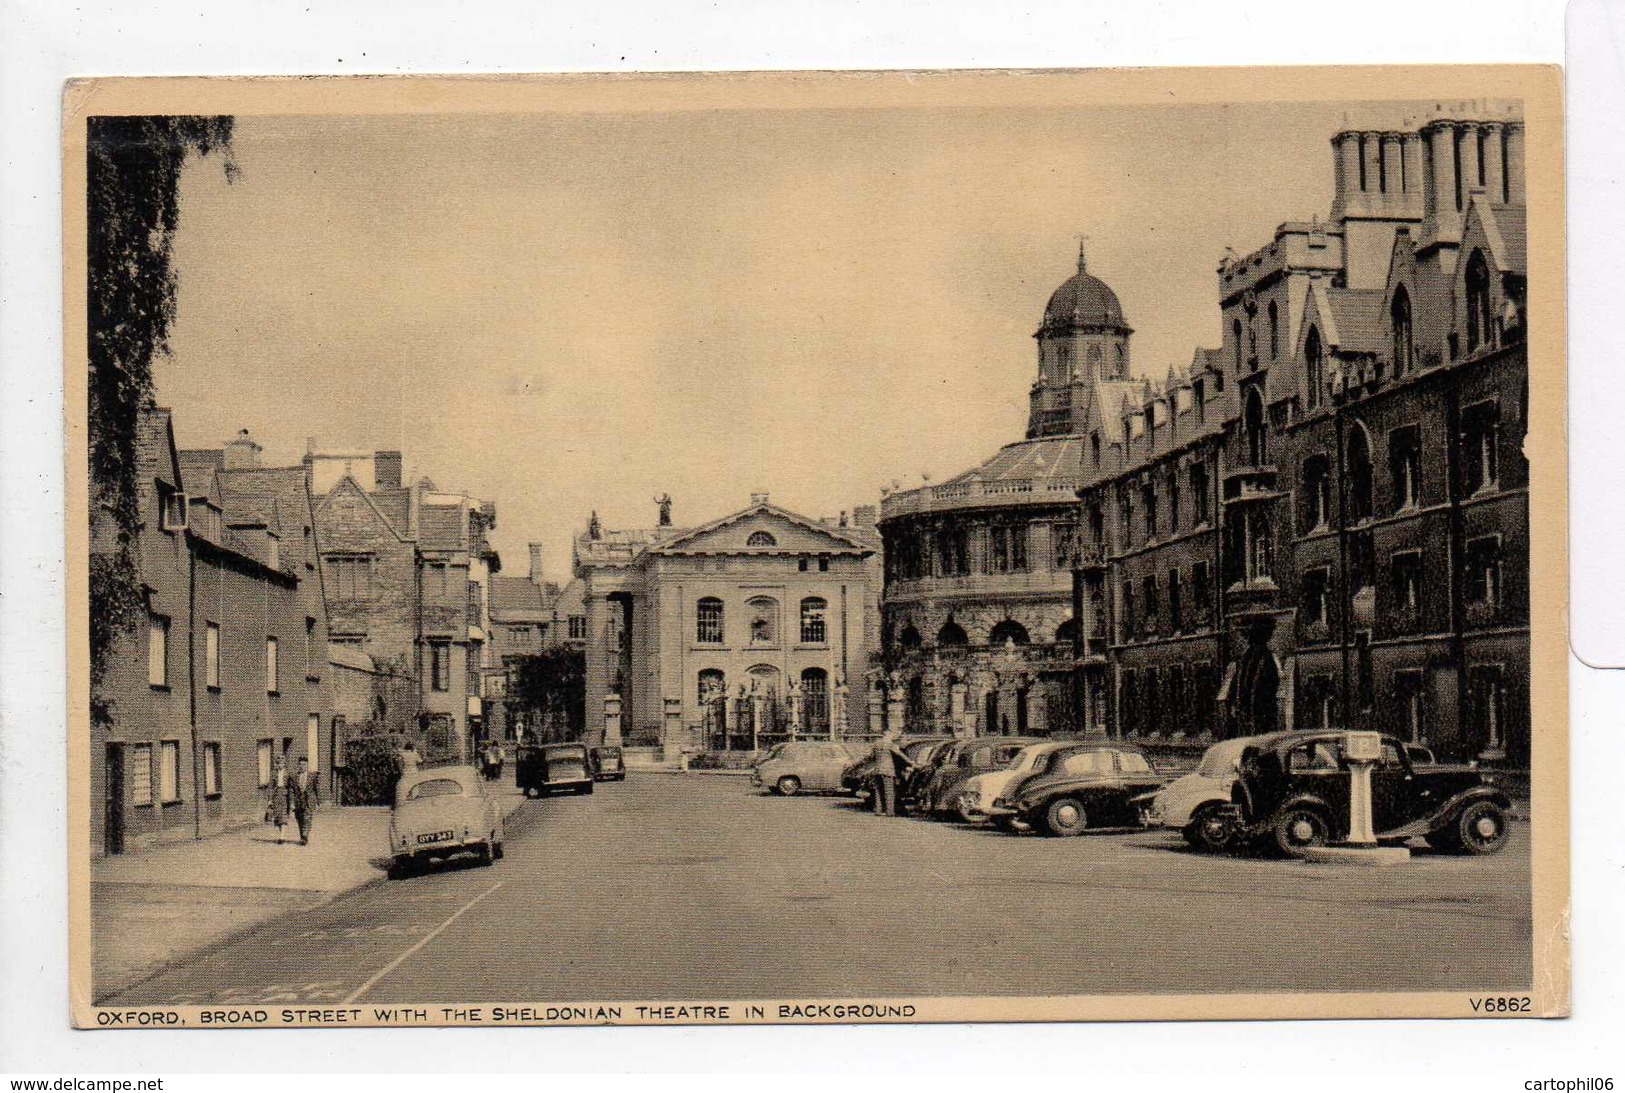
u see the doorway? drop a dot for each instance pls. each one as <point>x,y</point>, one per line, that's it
<point>113,822</point>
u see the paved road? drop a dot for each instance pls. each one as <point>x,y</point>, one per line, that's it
<point>685,888</point>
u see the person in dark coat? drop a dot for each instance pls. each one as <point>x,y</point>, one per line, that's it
<point>276,806</point>
<point>303,796</point>
<point>889,764</point>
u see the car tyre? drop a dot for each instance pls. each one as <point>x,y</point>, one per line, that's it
<point>497,851</point>
<point>788,786</point>
<point>1066,817</point>
<point>1481,828</point>
<point>1300,828</point>
<point>486,855</point>
<point>1209,830</point>
<point>399,870</point>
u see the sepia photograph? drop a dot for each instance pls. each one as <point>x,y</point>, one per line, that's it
<point>816,547</point>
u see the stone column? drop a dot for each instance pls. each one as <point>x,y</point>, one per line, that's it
<point>795,711</point>
<point>728,719</point>
<point>877,709</point>
<point>612,720</point>
<point>839,724</point>
<point>758,711</point>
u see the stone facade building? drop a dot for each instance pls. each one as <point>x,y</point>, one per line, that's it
<point>407,571</point>
<point>228,673</point>
<point>731,635</point>
<point>1323,521</point>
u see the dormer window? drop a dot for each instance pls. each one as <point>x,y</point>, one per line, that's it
<point>171,509</point>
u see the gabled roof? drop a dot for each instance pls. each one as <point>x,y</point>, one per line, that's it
<point>350,485</point>
<point>1349,320</point>
<point>515,597</point>
<point>1505,228</point>
<point>693,538</point>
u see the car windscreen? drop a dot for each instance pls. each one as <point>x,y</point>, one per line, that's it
<point>435,787</point>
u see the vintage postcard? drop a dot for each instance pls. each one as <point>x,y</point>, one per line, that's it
<point>817,547</point>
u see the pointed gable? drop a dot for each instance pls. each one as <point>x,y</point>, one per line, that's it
<point>347,516</point>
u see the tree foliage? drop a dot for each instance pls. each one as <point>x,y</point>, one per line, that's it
<point>551,687</point>
<point>133,171</point>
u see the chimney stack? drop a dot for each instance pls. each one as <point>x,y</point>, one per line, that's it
<point>386,470</point>
<point>863,516</point>
<point>536,563</point>
<point>242,453</point>
<point>758,498</point>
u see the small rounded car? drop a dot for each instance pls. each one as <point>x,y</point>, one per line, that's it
<point>1081,788</point>
<point>1197,805</point>
<point>1293,788</point>
<point>804,766</point>
<point>938,794</point>
<point>441,813</point>
<point>608,764</point>
<point>979,792</point>
<point>546,769</point>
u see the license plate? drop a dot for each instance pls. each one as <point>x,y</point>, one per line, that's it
<point>435,837</point>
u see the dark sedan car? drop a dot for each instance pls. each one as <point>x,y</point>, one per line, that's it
<point>1293,788</point>
<point>1079,788</point>
<point>553,768</point>
<point>937,794</point>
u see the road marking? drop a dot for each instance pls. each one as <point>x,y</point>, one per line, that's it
<point>430,936</point>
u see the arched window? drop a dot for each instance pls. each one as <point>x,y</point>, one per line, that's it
<point>763,613</point>
<point>1275,331</point>
<point>708,621</point>
<point>813,630</point>
<point>1404,349</point>
<point>1254,426</point>
<point>1314,368</point>
<point>1479,330</point>
<point>1317,492</point>
<point>1066,633</point>
<point>1235,332</point>
<point>1008,632</point>
<point>761,539</point>
<point>910,638</point>
<point>1358,464</point>
<point>712,685</point>
<point>814,702</point>
<point>1120,369</point>
<point>952,635</point>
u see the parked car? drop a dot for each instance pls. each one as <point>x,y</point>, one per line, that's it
<point>553,768</point>
<point>978,793</point>
<point>804,766</point>
<point>1197,804</point>
<point>1293,789</point>
<point>919,749</point>
<point>440,813</point>
<point>608,764</point>
<point>938,795</point>
<point>1072,790</point>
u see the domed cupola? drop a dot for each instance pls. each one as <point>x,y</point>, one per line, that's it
<point>1084,340</point>
<point>1083,302</point>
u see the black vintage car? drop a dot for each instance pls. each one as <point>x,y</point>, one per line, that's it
<point>553,768</point>
<point>1076,789</point>
<point>1293,789</point>
<point>608,765</point>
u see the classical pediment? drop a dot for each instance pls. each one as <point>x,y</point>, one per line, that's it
<point>764,529</point>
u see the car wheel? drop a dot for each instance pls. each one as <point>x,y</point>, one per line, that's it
<point>966,815</point>
<point>1066,817</point>
<point>486,855</point>
<point>788,786</point>
<point>1210,829</point>
<point>1481,828</point>
<point>398,870</point>
<point>587,789</point>
<point>1300,828</point>
<point>497,851</point>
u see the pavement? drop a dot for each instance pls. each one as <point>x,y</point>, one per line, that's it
<point>674,889</point>
<point>145,905</point>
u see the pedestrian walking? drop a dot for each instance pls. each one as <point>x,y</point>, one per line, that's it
<point>303,796</point>
<point>276,807</point>
<point>889,764</point>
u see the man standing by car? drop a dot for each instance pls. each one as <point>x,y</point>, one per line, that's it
<point>302,794</point>
<point>889,762</point>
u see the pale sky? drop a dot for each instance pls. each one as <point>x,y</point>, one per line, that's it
<point>569,312</point>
